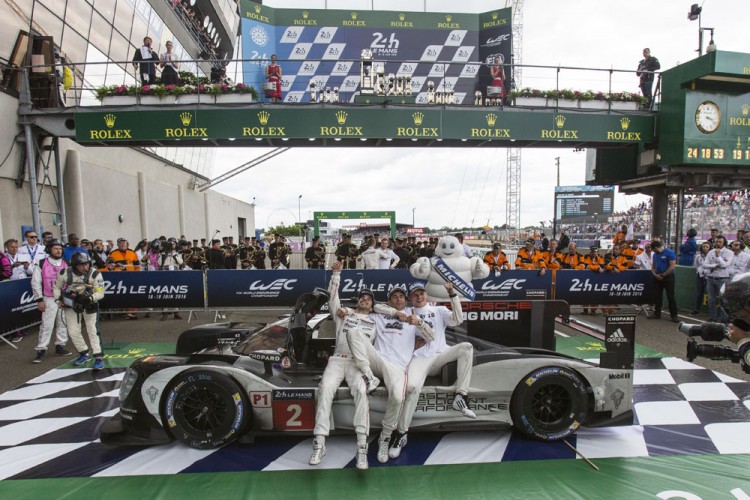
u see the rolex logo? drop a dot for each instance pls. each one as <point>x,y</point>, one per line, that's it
<point>624,122</point>
<point>491,119</point>
<point>745,109</point>
<point>449,18</point>
<point>494,16</point>
<point>257,9</point>
<point>186,118</point>
<point>341,117</point>
<point>109,120</point>
<point>418,117</point>
<point>263,117</point>
<point>559,121</point>
<point>354,15</point>
<point>401,16</point>
<point>305,14</point>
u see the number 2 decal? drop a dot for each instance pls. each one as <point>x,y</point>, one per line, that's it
<point>296,411</point>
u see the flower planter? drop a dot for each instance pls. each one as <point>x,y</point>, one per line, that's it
<point>234,98</point>
<point>150,100</point>
<point>593,104</point>
<point>195,99</point>
<point>538,102</point>
<point>567,103</point>
<point>119,100</point>
<point>625,105</point>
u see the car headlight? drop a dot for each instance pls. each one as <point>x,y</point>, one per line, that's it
<point>128,381</point>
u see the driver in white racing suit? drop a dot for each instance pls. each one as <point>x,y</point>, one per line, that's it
<point>431,357</point>
<point>341,366</point>
<point>390,356</point>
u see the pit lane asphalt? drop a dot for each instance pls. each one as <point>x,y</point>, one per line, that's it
<point>659,335</point>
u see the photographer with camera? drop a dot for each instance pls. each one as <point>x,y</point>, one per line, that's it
<point>78,289</point>
<point>735,301</point>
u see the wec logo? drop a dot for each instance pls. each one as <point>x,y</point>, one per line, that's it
<point>279,284</point>
<point>509,284</point>
<point>500,39</point>
<point>27,298</point>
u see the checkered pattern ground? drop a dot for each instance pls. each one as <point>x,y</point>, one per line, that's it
<point>49,428</point>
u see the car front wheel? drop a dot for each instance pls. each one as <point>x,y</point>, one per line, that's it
<point>205,409</point>
<point>549,404</point>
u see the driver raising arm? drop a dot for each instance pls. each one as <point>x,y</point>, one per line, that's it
<point>341,366</point>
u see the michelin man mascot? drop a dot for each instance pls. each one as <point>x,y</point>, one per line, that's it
<point>449,266</point>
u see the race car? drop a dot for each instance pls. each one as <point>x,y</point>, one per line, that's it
<point>230,381</point>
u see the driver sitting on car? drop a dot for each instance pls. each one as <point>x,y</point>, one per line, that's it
<point>341,366</point>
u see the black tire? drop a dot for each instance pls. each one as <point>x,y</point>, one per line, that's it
<point>205,409</point>
<point>549,404</point>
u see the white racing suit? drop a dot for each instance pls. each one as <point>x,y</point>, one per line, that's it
<point>42,284</point>
<point>389,357</point>
<point>430,358</point>
<point>341,366</point>
<point>94,282</point>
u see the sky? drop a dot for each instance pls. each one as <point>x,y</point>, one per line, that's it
<point>466,187</point>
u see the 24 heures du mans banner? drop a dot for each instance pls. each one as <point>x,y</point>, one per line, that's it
<point>255,122</point>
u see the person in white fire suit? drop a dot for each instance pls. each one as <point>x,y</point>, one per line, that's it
<point>341,366</point>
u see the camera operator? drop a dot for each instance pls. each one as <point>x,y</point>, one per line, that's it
<point>735,300</point>
<point>78,290</point>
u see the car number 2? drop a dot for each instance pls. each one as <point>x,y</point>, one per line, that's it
<point>294,415</point>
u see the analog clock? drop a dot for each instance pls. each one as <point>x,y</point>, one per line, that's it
<point>707,117</point>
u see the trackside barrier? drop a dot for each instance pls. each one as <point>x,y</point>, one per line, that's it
<point>227,289</point>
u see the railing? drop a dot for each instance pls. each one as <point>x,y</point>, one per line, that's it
<point>88,76</point>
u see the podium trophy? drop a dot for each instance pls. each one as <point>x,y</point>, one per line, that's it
<point>366,76</point>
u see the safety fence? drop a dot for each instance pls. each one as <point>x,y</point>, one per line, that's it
<point>221,290</point>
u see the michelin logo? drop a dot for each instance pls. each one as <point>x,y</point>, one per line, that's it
<point>618,337</point>
<point>507,285</point>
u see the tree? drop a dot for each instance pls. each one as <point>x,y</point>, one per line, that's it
<point>284,230</point>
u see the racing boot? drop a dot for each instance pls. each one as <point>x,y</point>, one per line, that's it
<point>319,450</point>
<point>459,404</point>
<point>362,463</point>
<point>384,442</point>
<point>398,444</point>
<point>83,358</point>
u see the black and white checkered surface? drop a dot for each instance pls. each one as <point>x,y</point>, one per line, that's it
<point>49,428</point>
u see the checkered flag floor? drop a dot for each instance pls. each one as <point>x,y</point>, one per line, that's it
<point>49,427</point>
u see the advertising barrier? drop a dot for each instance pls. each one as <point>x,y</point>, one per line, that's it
<point>17,307</point>
<point>183,290</point>
<point>585,287</point>
<point>280,288</point>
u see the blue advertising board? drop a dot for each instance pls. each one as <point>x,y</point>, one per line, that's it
<point>171,289</point>
<point>586,287</point>
<point>516,284</point>
<point>17,307</point>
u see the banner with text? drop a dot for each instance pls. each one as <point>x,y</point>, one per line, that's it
<point>585,287</point>
<point>17,307</point>
<point>172,289</point>
<point>516,284</point>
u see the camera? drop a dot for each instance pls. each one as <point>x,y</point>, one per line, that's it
<point>713,332</point>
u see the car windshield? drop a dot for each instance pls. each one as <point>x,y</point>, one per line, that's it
<point>271,337</point>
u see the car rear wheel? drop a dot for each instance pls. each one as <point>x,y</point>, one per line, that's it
<point>205,408</point>
<point>549,404</point>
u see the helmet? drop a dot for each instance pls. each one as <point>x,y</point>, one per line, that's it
<point>53,243</point>
<point>172,241</point>
<point>183,242</point>
<point>735,294</point>
<point>155,245</point>
<point>80,258</point>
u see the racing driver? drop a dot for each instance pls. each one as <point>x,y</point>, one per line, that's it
<point>432,356</point>
<point>390,357</point>
<point>341,366</point>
